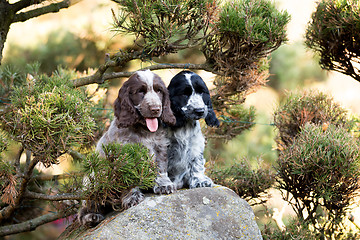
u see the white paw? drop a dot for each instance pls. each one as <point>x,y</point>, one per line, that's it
<point>196,182</point>
<point>164,186</point>
<point>132,198</point>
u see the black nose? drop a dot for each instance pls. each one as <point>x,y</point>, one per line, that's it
<point>199,111</point>
<point>155,110</point>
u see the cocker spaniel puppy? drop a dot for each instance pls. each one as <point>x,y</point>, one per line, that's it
<point>141,108</point>
<point>190,101</point>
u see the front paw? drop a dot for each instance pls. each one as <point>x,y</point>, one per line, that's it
<point>197,182</point>
<point>164,186</point>
<point>90,219</point>
<point>167,189</point>
<point>132,198</point>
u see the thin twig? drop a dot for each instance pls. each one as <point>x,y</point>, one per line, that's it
<point>32,224</point>
<point>56,177</point>
<point>23,4</point>
<point>107,76</point>
<point>96,77</point>
<point>352,219</point>
<point>57,197</point>
<point>52,8</point>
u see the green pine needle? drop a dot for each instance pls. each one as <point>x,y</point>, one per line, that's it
<point>123,167</point>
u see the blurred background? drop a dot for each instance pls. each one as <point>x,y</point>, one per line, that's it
<point>80,36</point>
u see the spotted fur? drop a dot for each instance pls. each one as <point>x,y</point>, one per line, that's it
<point>190,101</point>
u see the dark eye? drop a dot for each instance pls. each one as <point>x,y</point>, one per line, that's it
<point>200,90</point>
<point>158,89</point>
<point>141,90</point>
<point>187,91</point>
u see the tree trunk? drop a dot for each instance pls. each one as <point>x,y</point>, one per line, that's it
<point>6,17</point>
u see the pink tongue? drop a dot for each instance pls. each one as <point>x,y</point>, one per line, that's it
<point>152,124</point>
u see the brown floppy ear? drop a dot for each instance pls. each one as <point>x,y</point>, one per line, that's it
<point>124,109</point>
<point>167,115</point>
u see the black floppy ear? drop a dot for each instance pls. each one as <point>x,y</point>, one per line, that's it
<point>124,109</point>
<point>211,119</point>
<point>167,115</point>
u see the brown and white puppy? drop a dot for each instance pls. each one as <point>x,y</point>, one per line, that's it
<point>141,107</point>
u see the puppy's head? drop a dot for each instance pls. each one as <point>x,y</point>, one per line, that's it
<point>190,99</point>
<point>144,99</point>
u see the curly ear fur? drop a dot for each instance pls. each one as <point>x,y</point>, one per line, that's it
<point>124,110</point>
<point>211,119</point>
<point>167,115</point>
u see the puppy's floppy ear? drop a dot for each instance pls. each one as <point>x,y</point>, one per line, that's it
<point>124,109</point>
<point>167,115</point>
<point>211,119</point>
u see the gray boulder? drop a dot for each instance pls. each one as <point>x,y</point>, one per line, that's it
<point>201,213</point>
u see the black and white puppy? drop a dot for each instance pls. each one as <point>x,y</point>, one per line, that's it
<point>190,101</point>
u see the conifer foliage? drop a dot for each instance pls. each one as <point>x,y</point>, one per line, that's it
<point>318,168</point>
<point>125,166</point>
<point>50,116</point>
<point>334,33</point>
<point>163,27</point>
<point>245,33</point>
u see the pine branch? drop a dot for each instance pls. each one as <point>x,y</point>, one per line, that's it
<point>101,78</point>
<point>160,66</point>
<point>52,8</point>
<point>120,59</point>
<point>24,4</point>
<point>32,224</point>
<point>57,197</point>
<point>56,177</point>
<point>96,77</point>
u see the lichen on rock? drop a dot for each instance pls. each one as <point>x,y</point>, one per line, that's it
<point>201,213</point>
